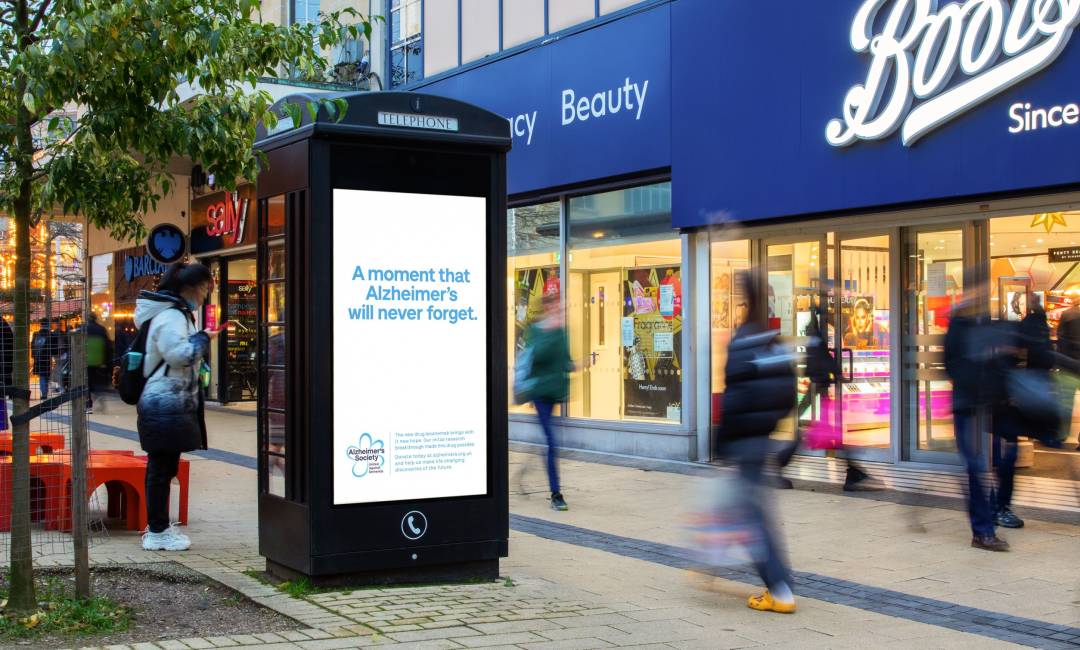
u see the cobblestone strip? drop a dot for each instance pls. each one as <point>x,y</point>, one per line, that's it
<point>995,625</point>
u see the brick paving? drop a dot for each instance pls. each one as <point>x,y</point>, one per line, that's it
<point>612,571</point>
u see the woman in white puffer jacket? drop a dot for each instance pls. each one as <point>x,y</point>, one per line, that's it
<point>170,408</point>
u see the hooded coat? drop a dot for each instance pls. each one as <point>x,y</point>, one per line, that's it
<point>171,405</point>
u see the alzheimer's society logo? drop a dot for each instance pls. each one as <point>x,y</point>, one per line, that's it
<point>368,456</point>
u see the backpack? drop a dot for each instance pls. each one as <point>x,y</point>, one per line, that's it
<point>130,378</point>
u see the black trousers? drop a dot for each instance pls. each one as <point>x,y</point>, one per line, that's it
<point>161,467</point>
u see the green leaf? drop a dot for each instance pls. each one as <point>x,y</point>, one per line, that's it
<point>29,102</point>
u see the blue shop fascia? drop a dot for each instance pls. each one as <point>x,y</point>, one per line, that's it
<point>874,157</point>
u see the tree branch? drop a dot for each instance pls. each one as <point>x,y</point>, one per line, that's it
<point>40,16</point>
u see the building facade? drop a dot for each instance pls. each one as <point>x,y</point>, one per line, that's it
<point>870,156</point>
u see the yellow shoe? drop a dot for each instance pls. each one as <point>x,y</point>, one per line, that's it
<point>765,603</point>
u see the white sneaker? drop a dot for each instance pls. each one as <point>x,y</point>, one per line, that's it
<point>167,540</point>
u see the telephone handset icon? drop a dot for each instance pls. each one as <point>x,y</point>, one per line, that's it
<point>414,524</point>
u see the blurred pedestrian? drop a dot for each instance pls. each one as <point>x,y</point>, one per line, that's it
<point>1034,357</point>
<point>7,369</point>
<point>170,409</point>
<point>976,385</point>
<point>1068,381</point>
<point>97,360</point>
<point>549,384</point>
<point>824,373</point>
<point>42,350</point>
<point>760,391</point>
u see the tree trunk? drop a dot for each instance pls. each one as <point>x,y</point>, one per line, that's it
<point>21,597</point>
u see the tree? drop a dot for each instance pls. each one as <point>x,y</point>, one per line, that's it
<point>148,81</point>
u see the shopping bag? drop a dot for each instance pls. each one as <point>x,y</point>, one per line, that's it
<point>722,532</point>
<point>823,433</point>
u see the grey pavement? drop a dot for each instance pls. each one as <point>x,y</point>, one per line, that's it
<point>615,570</point>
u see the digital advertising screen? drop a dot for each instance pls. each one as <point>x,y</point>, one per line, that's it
<point>410,346</point>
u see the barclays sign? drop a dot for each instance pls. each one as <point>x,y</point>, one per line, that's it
<point>141,266</point>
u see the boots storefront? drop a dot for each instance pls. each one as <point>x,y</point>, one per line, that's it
<point>872,157</point>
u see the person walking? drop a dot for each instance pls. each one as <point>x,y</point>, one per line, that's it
<point>1068,381</point>
<point>1032,341</point>
<point>760,391</point>
<point>42,351</point>
<point>7,369</point>
<point>976,385</point>
<point>824,373</point>
<point>170,409</point>
<point>550,383</point>
<point>97,360</point>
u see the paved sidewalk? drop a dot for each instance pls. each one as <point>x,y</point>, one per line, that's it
<point>613,570</point>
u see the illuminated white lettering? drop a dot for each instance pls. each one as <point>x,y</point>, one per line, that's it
<point>917,53</point>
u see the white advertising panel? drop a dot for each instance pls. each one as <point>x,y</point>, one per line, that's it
<point>410,346</point>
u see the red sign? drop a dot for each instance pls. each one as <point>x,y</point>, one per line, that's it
<point>228,218</point>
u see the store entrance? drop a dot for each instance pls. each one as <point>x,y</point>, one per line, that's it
<point>846,281</point>
<point>241,309</point>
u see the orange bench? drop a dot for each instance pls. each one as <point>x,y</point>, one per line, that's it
<point>41,442</point>
<point>121,472</point>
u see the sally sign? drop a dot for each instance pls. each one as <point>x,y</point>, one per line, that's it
<point>228,218</point>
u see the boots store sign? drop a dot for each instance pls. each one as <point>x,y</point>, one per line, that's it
<point>920,49</point>
<point>860,105</point>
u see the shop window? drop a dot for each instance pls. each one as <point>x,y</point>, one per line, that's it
<point>479,29</point>
<point>1034,258</point>
<point>407,41</point>
<point>624,306</point>
<point>241,300</point>
<point>523,21</point>
<point>101,294</point>
<point>441,36</point>
<point>533,240</point>
<point>567,13</point>
<point>728,306</point>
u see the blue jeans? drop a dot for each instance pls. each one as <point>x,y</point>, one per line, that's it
<point>1005,454</point>
<point>749,456</point>
<point>543,411</point>
<point>980,509</point>
<point>44,383</point>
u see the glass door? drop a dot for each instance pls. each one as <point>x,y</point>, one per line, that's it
<point>798,286</point>
<point>933,285</point>
<point>863,283</point>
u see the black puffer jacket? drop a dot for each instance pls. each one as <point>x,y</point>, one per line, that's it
<point>760,380</point>
<point>171,406</point>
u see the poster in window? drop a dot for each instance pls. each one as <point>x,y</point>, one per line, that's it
<point>721,298</point>
<point>652,369</point>
<point>859,323</point>
<point>530,287</point>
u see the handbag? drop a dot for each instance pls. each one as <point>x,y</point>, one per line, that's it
<point>1033,395</point>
